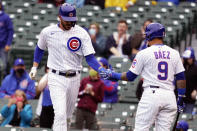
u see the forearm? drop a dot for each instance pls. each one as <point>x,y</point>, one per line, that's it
<point>35,64</point>
<point>43,83</point>
<point>10,37</point>
<point>114,51</point>
<point>124,76</point>
<point>181,84</point>
<point>127,76</point>
<point>38,54</point>
<point>92,62</point>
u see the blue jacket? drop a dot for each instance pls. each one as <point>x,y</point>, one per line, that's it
<point>26,115</point>
<point>11,83</point>
<point>111,91</point>
<point>46,100</point>
<point>176,2</point>
<point>6,30</point>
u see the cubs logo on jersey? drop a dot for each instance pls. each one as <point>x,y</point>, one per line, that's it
<point>24,84</point>
<point>74,44</point>
<point>134,63</point>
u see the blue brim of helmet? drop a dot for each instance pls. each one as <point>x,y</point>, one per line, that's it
<point>69,18</point>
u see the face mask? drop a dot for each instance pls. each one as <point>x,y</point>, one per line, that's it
<point>20,71</point>
<point>19,99</point>
<point>92,31</point>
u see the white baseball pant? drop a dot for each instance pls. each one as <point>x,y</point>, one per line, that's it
<point>63,92</point>
<point>156,105</point>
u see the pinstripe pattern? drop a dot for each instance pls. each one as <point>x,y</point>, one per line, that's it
<point>64,90</point>
<point>156,107</point>
<point>60,57</point>
<point>146,65</point>
<point>63,93</point>
<point>157,65</point>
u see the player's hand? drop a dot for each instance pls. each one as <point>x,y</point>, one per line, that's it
<point>33,72</point>
<point>11,101</point>
<point>105,73</point>
<point>180,104</point>
<point>194,94</point>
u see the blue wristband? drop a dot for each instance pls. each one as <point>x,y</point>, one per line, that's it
<point>116,75</point>
<point>181,91</point>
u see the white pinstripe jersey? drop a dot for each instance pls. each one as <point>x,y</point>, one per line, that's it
<point>65,48</point>
<point>157,65</point>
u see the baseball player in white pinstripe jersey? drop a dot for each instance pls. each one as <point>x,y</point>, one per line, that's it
<point>157,64</point>
<point>67,44</point>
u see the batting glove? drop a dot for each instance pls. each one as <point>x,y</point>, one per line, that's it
<point>33,72</point>
<point>180,103</point>
<point>105,73</point>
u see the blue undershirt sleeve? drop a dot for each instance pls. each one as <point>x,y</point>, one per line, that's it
<point>180,76</point>
<point>131,76</point>
<point>38,54</point>
<point>92,62</point>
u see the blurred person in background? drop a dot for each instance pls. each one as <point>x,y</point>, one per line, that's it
<point>17,112</point>
<point>98,40</point>
<point>176,2</point>
<point>77,3</point>
<point>139,89</point>
<point>124,4</point>
<point>118,44</point>
<point>91,92</point>
<point>189,62</point>
<point>17,79</point>
<point>96,2</point>
<point>6,37</point>
<point>138,40</point>
<point>54,2</point>
<point>182,126</point>
<point>47,112</point>
<point>111,87</point>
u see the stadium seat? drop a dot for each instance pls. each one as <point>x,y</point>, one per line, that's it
<point>138,9</point>
<point>25,53</point>
<point>143,3</point>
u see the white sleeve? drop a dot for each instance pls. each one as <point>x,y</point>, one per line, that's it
<point>179,65</point>
<point>87,47</point>
<point>42,44</point>
<point>137,64</point>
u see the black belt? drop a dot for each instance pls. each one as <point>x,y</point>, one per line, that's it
<point>154,86</point>
<point>69,73</point>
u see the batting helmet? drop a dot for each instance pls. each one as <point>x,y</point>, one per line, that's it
<point>154,30</point>
<point>67,12</point>
<point>182,125</point>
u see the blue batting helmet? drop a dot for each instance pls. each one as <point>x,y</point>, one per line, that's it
<point>154,30</point>
<point>67,12</point>
<point>182,125</point>
<point>189,53</point>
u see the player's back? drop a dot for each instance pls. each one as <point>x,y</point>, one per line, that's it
<point>160,64</point>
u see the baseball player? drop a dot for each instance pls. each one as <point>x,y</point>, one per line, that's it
<point>157,64</point>
<point>67,44</point>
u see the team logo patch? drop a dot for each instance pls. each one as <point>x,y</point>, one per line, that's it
<point>74,43</point>
<point>70,14</point>
<point>23,84</point>
<point>134,63</point>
